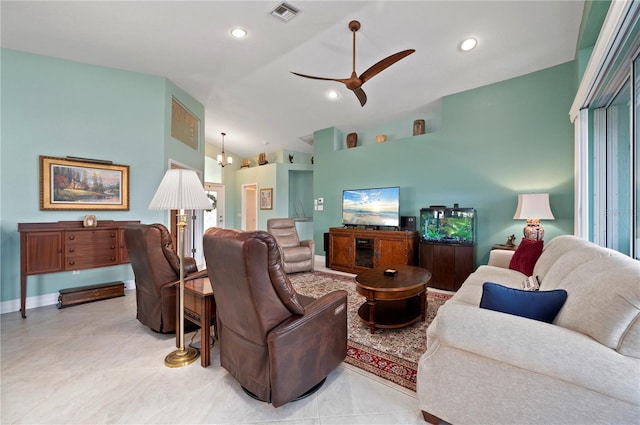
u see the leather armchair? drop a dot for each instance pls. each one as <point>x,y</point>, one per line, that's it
<point>156,267</point>
<point>298,256</point>
<point>279,345</point>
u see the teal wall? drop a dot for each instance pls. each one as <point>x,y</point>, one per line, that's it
<point>495,142</point>
<point>485,146</point>
<point>290,182</point>
<point>61,108</point>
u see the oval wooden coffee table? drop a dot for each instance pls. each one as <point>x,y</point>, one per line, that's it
<point>393,301</point>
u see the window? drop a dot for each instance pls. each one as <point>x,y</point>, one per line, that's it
<point>606,114</point>
<point>612,181</point>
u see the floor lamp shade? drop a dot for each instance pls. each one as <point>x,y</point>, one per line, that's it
<point>181,190</point>
<point>533,207</point>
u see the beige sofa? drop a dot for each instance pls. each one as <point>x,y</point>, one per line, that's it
<point>487,367</point>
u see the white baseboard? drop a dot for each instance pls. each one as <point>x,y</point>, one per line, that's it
<point>10,306</point>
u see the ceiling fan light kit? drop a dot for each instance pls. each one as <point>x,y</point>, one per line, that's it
<point>355,82</point>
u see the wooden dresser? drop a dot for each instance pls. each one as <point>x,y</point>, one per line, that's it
<point>67,245</point>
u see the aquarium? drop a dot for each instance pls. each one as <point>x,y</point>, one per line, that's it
<point>371,207</point>
<point>448,225</point>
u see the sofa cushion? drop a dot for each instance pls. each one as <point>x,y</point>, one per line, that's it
<point>537,305</point>
<point>526,256</point>
<point>471,291</point>
<point>567,262</point>
<point>604,302</point>
<point>297,253</point>
<point>553,250</point>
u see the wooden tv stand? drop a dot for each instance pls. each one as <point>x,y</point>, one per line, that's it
<point>358,250</point>
<point>68,245</point>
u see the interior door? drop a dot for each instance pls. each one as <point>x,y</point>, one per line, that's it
<point>215,216</point>
<point>250,207</point>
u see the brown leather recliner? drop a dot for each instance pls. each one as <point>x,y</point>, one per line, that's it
<point>297,255</point>
<point>279,345</point>
<point>156,267</point>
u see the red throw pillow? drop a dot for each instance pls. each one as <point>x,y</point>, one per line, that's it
<point>526,256</point>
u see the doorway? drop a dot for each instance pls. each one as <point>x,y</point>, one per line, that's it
<point>215,216</point>
<point>250,207</point>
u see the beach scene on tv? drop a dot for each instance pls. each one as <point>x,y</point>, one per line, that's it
<point>371,207</point>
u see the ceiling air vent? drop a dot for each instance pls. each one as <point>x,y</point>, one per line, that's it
<point>285,12</point>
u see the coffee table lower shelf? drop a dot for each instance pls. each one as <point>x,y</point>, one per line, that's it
<point>392,314</point>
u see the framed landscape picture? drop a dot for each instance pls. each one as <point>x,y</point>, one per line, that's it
<point>266,199</point>
<point>83,184</point>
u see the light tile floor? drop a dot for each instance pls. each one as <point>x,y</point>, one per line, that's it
<point>96,364</point>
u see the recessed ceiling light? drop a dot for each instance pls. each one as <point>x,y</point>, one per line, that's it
<point>333,95</point>
<point>468,44</point>
<point>239,33</point>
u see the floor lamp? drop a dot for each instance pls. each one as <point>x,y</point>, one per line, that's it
<point>180,190</point>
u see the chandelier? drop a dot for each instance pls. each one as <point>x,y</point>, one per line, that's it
<point>222,157</point>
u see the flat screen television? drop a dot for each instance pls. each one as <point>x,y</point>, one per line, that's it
<point>379,207</point>
<point>448,225</point>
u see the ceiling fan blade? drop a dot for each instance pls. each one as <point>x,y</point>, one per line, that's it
<point>362,97</point>
<point>384,64</point>
<point>318,78</point>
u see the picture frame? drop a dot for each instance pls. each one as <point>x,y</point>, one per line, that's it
<point>83,184</point>
<point>266,199</point>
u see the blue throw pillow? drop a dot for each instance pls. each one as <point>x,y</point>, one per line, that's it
<point>537,305</point>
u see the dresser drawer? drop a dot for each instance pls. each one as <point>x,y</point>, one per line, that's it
<point>91,248</point>
<point>96,258</point>
<point>87,238</point>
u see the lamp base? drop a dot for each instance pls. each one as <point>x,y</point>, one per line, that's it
<point>180,358</point>
<point>533,230</point>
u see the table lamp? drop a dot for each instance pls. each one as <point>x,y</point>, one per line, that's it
<point>180,190</point>
<point>533,207</point>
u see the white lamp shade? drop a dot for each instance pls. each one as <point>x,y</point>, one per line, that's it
<point>534,205</point>
<point>180,190</point>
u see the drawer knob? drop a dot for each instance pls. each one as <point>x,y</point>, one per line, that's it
<point>72,250</point>
<point>72,237</point>
<point>72,263</point>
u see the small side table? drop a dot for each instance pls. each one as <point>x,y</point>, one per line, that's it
<point>200,308</point>
<point>503,246</point>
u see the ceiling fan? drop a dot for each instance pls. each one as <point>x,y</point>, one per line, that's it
<point>354,83</point>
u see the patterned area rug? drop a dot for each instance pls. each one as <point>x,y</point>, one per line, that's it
<point>391,354</point>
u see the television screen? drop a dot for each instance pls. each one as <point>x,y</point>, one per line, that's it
<point>449,225</point>
<point>371,207</point>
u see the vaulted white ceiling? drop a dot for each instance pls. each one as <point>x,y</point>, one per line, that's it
<point>246,85</point>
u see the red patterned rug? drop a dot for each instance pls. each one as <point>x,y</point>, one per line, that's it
<point>391,354</point>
